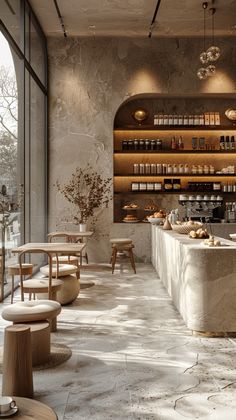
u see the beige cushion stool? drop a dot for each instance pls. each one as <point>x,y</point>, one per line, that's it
<point>41,285</point>
<point>69,291</point>
<point>66,259</point>
<point>14,270</point>
<point>122,245</point>
<point>61,270</point>
<point>33,310</point>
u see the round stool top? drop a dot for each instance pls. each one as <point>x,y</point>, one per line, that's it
<point>121,241</point>
<point>25,265</point>
<point>33,409</point>
<point>33,310</point>
<point>63,270</point>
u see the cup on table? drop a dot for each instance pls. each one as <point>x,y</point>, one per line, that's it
<point>6,404</point>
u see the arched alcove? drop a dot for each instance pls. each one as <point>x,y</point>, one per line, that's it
<point>161,150</point>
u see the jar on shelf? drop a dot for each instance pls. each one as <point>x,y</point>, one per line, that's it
<point>186,168</point>
<point>135,186</point>
<point>216,186</point>
<point>154,168</point>
<point>136,168</point>
<point>158,144</point>
<point>141,168</point>
<point>200,169</point>
<point>175,168</point>
<point>157,186</point>
<point>212,169</point>
<point>150,186</point>
<point>141,144</point>
<point>164,168</point>
<point>168,186</point>
<point>176,184</point>
<point>159,168</point>
<point>194,169</point>
<point>136,144</point>
<point>124,145</point>
<point>147,168</point>
<point>181,168</point>
<point>142,186</point>
<point>206,169</point>
<point>153,144</point>
<point>130,145</point>
<point>185,119</point>
<point>169,168</point>
<point>147,144</point>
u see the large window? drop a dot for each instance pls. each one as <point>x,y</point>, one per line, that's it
<point>23,142</point>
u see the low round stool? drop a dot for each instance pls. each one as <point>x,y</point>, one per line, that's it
<point>14,270</point>
<point>33,310</point>
<point>121,241</point>
<point>69,290</point>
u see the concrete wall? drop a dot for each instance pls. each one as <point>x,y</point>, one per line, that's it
<point>89,79</point>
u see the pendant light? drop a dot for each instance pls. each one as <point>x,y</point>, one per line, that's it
<point>213,52</point>
<point>203,73</point>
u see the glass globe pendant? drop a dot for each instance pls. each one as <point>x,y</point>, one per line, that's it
<point>204,57</point>
<point>211,70</point>
<point>213,53</point>
<point>202,73</point>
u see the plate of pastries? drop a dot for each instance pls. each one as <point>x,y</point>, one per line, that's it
<point>130,218</point>
<point>186,227</point>
<point>131,206</point>
<point>157,217</point>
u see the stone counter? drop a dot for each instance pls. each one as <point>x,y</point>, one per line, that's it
<point>201,280</point>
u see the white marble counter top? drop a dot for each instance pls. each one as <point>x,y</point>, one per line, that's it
<point>201,280</point>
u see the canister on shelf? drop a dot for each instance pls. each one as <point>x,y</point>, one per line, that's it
<point>169,168</point>
<point>147,144</point>
<point>142,186</point>
<point>157,186</point>
<point>158,144</point>
<point>186,168</point>
<point>136,168</point>
<point>150,186</point>
<point>154,168</point>
<point>153,144</point>
<point>159,168</point>
<point>164,168</point>
<point>141,144</point>
<point>135,186</point>
<point>147,168</point>
<point>141,168</point>
<point>130,145</point>
<point>136,144</point>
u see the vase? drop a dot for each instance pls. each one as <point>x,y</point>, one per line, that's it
<point>82,227</point>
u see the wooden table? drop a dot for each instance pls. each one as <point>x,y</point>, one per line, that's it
<point>73,237</point>
<point>33,410</point>
<point>55,248</point>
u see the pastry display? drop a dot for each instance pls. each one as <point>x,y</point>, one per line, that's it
<point>130,219</point>
<point>130,206</point>
<point>198,234</point>
<point>212,241</point>
<point>159,214</point>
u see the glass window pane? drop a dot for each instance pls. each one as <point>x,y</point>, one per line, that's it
<point>10,15</point>
<point>37,60</point>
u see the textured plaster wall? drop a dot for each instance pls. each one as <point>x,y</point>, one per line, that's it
<point>89,79</point>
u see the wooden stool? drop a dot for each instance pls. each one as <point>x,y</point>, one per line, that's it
<point>17,376</point>
<point>122,245</point>
<point>40,342</point>
<point>14,270</point>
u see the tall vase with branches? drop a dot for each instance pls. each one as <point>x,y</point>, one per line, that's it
<point>87,191</point>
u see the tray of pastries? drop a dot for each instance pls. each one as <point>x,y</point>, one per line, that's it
<point>130,218</point>
<point>130,206</point>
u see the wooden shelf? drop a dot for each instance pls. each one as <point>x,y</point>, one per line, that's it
<point>173,192</point>
<point>175,152</point>
<point>175,127</point>
<point>190,175</point>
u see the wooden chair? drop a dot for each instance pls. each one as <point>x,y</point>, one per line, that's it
<point>39,285</point>
<point>14,270</point>
<point>64,259</point>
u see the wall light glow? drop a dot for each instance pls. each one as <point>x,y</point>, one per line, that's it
<point>219,83</point>
<point>144,81</point>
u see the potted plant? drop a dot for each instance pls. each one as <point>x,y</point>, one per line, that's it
<point>87,191</point>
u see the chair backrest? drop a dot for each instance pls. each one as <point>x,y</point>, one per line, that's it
<point>36,251</point>
<point>65,236</point>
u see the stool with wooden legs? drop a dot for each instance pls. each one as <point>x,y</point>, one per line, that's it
<point>120,245</point>
<point>14,270</point>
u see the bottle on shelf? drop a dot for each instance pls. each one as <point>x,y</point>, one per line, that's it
<point>222,142</point>
<point>180,143</point>
<point>232,143</point>
<point>173,143</point>
<point>227,143</point>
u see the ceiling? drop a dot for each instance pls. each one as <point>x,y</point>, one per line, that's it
<point>132,18</point>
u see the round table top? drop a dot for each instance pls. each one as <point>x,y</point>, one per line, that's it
<point>33,410</point>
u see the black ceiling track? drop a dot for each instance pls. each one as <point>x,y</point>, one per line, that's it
<point>154,18</point>
<point>60,18</point>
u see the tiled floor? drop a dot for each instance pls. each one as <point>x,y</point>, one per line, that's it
<point>133,357</point>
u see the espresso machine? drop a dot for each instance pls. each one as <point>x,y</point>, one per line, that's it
<point>203,208</point>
